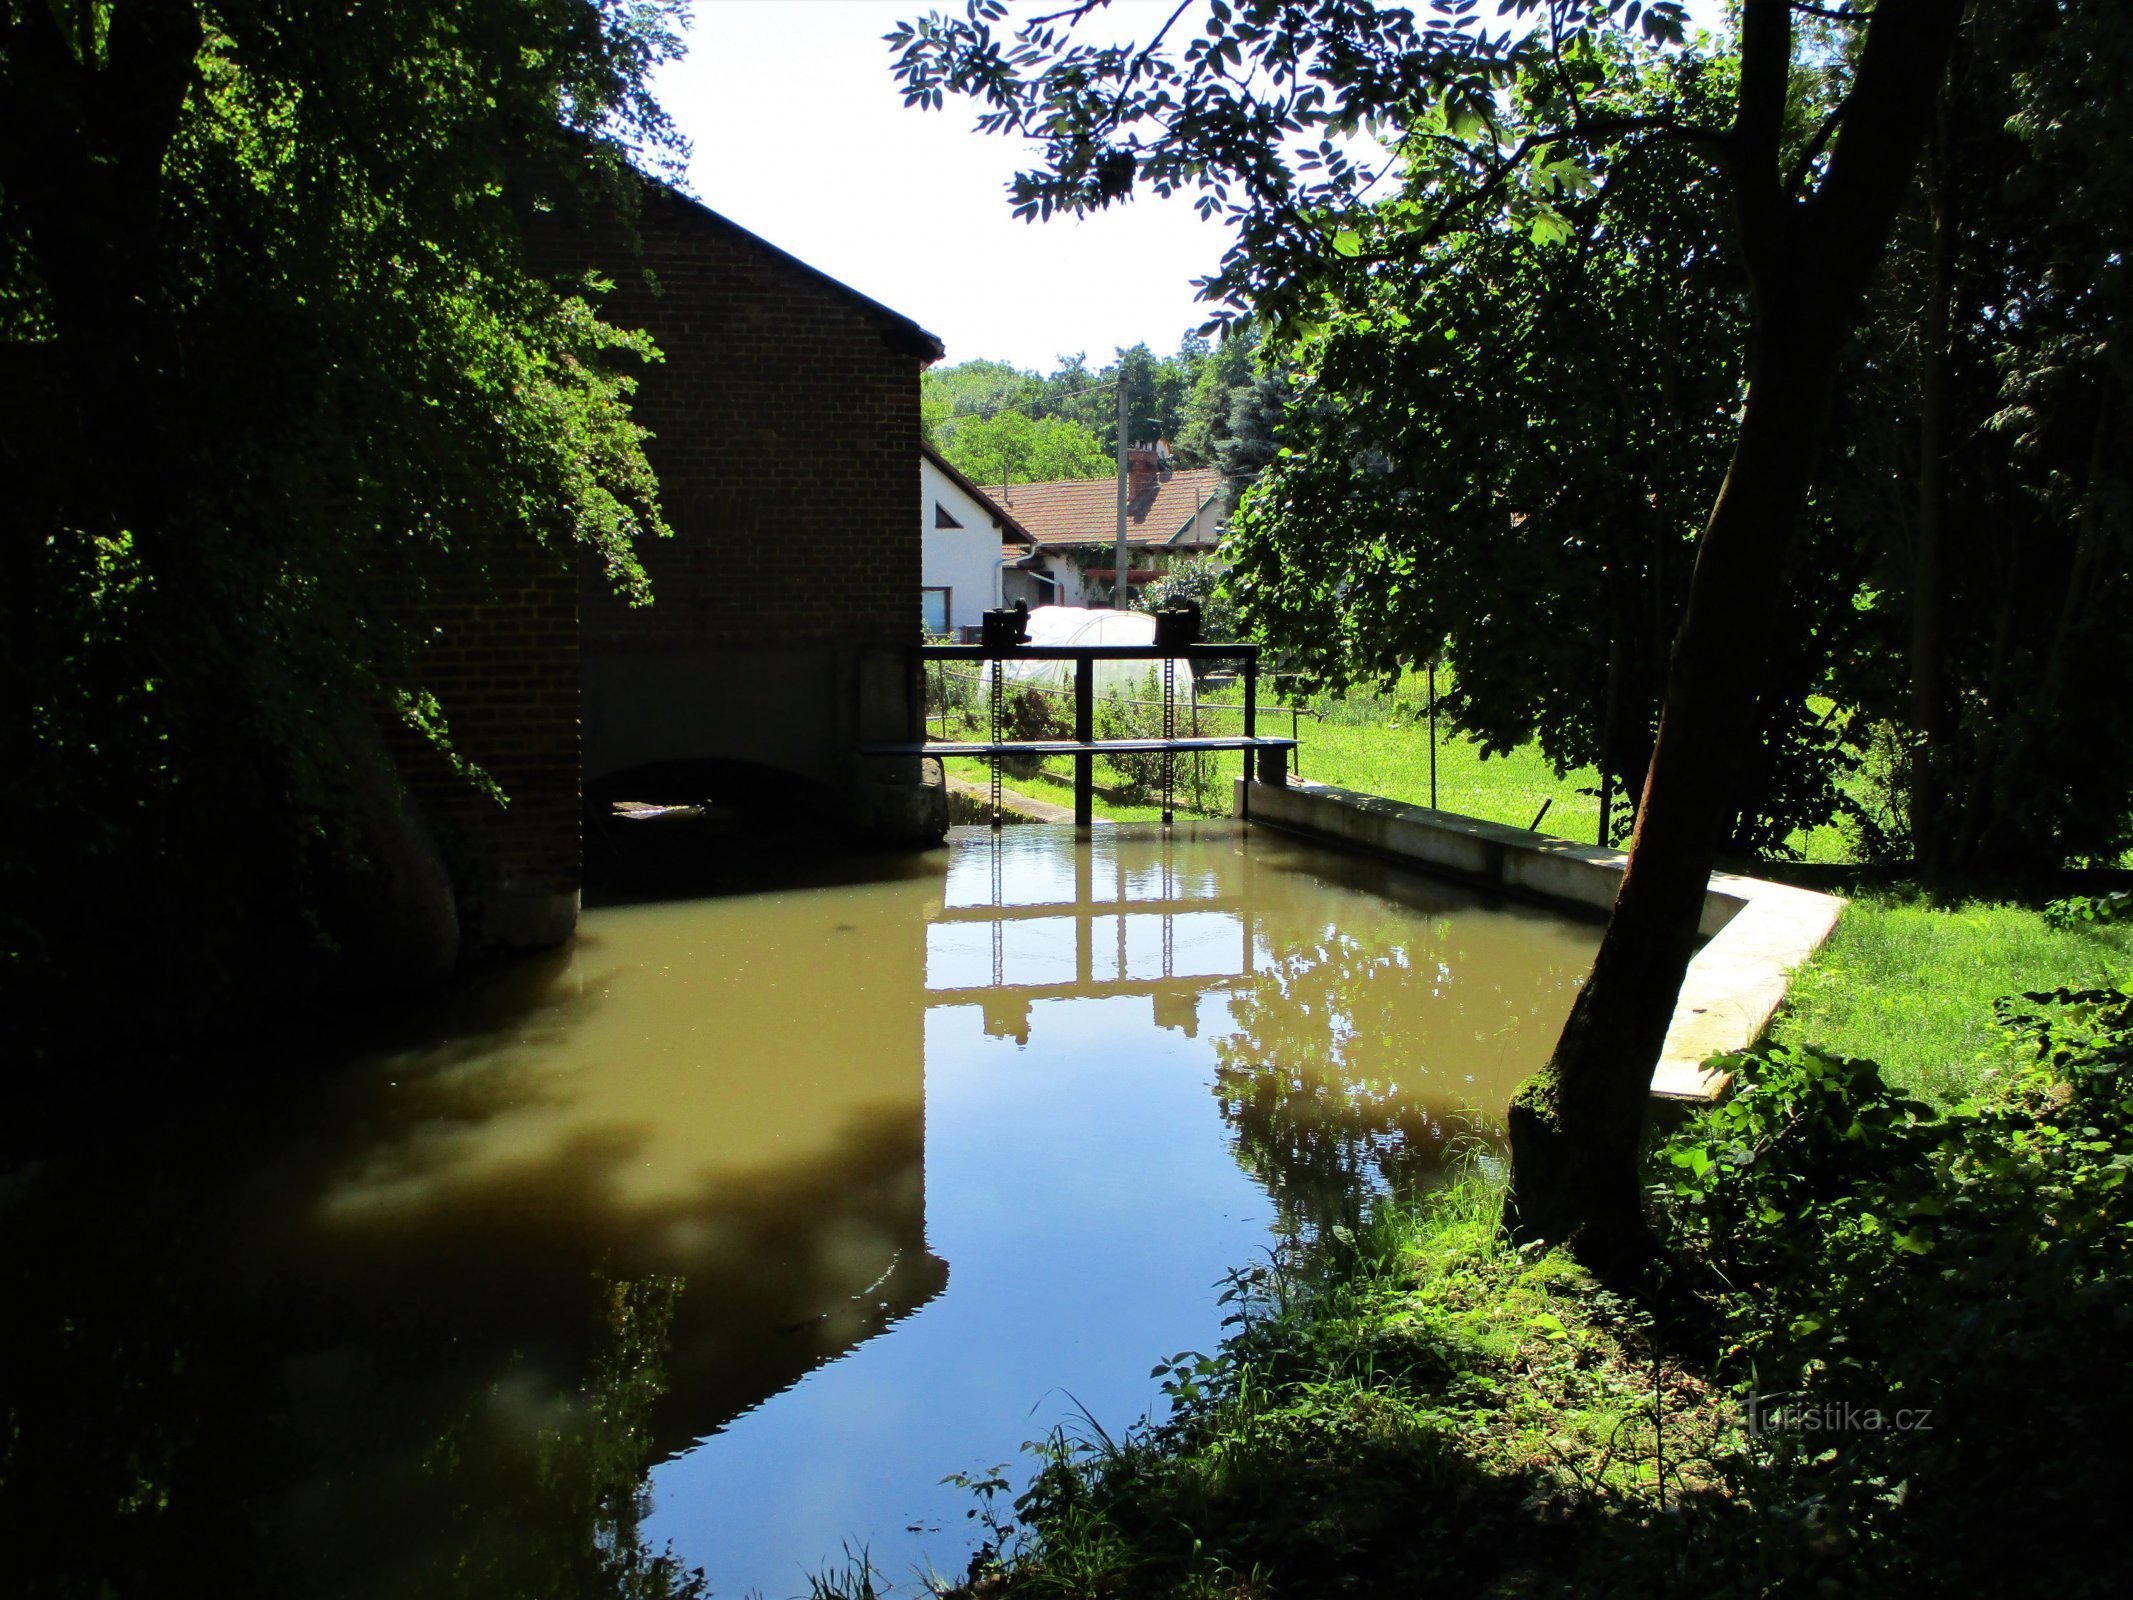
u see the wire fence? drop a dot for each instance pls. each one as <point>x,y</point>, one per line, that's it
<point>1391,742</point>
<point>959,702</point>
<point>1398,742</point>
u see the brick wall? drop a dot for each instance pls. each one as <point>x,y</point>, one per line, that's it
<point>785,423</point>
<point>786,431</point>
<point>502,659</point>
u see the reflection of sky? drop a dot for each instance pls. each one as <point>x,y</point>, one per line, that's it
<point>1036,951</point>
<point>1086,1201</point>
<point>1080,1182</point>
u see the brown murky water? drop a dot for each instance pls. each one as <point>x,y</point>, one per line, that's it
<point>940,1152</point>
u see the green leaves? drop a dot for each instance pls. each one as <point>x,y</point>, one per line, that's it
<point>327,367</point>
<point>1889,1264</point>
<point>1011,447</point>
<point>1262,109</point>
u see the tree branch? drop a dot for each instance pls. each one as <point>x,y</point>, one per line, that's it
<point>1759,127</point>
<point>1815,147</point>
<point>1900,74</point>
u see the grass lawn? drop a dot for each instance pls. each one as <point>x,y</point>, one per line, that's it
<point>1054,784</point>
<point>1416,1403</point>
<point>1392,759</point>
<point>1378,743</point>
<point>1910,982</point>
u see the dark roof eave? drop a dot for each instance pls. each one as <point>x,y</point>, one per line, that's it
<point>897,330</point>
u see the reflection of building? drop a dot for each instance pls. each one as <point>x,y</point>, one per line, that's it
<point>1373,1017</point>
<point>1021,923</point>
<point>729,1092</point>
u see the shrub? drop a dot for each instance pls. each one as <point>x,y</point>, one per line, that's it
<point>1973,1272</point>
<point>1195,778</point>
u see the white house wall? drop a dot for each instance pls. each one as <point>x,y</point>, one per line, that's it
<point>965,561</point>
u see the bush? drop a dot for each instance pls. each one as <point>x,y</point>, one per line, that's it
<point>1972,1273</point>
<point>1029,714</point>
<point>1198,578</point>
<point>1195,778</point>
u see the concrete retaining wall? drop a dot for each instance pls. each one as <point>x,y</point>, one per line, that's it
<point>1758,933</point>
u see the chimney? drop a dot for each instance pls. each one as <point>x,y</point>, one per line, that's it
<point>1144,469</point>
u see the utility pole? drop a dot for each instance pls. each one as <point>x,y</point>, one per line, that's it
<point>1118,568</point>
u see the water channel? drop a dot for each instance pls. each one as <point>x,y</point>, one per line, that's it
<point>808,1192</point>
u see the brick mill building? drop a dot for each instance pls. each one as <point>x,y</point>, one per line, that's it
<point>782,632</point>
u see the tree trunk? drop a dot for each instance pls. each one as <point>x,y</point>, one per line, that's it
<point>1932,765</point>
<point>1576,1126</point>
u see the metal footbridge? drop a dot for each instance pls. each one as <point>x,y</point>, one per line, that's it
<point>1004,640</point>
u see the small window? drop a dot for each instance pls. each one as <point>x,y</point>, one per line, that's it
<point>941,519</point>
<point>934,611</point>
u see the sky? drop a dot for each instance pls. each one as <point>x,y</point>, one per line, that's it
<point>800,135</point>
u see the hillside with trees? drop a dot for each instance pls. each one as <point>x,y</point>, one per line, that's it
<point>1000,424</point>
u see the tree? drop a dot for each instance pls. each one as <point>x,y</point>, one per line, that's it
<point>1987,433</point>
<point>948,396</point>
<point>1502,451</point>
<point>279,347</point>
<point>1231,114</point>
<point>1227,367</point>
<point>1012,448</point>
<point>1200,580</point>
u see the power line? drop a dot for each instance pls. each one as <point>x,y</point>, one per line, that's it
<point>1023,405</point>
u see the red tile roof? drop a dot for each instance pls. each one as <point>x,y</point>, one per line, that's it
<point>1083,511</point>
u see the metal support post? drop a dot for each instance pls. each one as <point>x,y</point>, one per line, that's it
<point>1433,733</point>
<point>1120,598</point>
<point>1170,731</point>
<point>1084,731</point>
<point>996,807</point>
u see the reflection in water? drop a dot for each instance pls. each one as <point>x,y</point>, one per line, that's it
<point>1363,1051</point>
<point>405,1334</point>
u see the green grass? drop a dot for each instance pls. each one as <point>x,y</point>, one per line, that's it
<point>1412,1406</point>
<point>1054,784</point>
<point>1391,758</point>
<point>1378,742</point>
<point>1415,1405</point>
<point>1910,983</point>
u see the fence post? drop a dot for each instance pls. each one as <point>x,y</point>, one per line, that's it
<point>1251,730</point>
<point>1433,733</point>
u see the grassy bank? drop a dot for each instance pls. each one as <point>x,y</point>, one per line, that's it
<point>1890,1362</point>
<point>1909,982</point>
<point>1377,743</point>
<point>1890,1359</point>
<point>1054,784</point>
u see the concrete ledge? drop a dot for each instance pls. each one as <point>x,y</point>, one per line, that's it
<point>972,803</point>
<point>1758,933</point>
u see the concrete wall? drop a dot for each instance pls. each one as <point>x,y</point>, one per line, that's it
<point>1758,932</point>
<point>1023,586</point>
